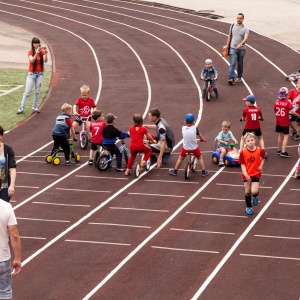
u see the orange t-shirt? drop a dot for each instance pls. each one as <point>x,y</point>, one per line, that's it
<point>252,160</point>
<point>38,65</point>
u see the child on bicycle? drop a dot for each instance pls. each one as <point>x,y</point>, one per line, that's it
<point>209,72</point>
<point>252,114</point>
<point>190,145</point>
<point>110,134</point>
<point>83,107</point>
<point>224,138</point>
<point>252,159</point>
<point>61,132</point>
<point>95,130</point>
<point>137,133</point>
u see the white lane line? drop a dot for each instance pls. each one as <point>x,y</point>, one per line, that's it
<point>298,190</point>
<point>240,185</point>
<point>32,237</point>
<point>157,195</point>
<point>201,231</point>
<point>40,174</point>
<point>285,220</point>
<point>289,204</point>
<point>241,238</point>
<point>223,199</point>
<point>152,235</point>
<point>218,215</point>
<point>94,242</point>
<point>120,225</point>
<point>139,209</point>
<point>173,181</point>
<point>26,186</point>
<point>185,250</point>
<point>62,204</point>
<point>43,220</point>
<point>98,177</point>
<point>277,237</point>
<point>266,256</point>
<point>80,190</point>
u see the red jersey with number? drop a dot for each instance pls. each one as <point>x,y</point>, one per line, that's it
<point>252,160</point>
<point>252,115</point>
<point>39,67</point>
<point>282,108</point>
<point>137,135</point>
<point>96,128</point>
<point>85,106</point>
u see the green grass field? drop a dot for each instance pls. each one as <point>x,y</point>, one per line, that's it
<point>12,87</point>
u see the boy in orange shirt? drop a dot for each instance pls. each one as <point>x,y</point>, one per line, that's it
<point>252,159</point>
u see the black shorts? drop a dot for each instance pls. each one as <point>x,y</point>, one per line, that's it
<point>94,147</point>
<point>253,179</point>
<point>282,129</point>
<point>79,120</point>
<point>257,132</point>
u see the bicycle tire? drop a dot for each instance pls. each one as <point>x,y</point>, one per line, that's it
<point>96,156</point>
<point>194,164</point>
<point>102,162</point>
<point>84,141</point>
<point>208,93</point>
<point>137,169</point>
<point>49,158</point>
<point>56,161</point>
<point>148,165</point>
<point>187,170</point>
<point>77,157</point>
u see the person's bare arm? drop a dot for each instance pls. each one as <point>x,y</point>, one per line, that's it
<point>16,246</point>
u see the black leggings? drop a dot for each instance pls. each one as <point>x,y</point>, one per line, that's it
<point>63,143</point>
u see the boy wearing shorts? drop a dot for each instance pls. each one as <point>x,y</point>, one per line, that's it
<point>282,108</point>
<point>252,159</point>
<point>190,133</point>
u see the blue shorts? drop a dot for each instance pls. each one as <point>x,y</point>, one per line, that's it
<point>5,280</point>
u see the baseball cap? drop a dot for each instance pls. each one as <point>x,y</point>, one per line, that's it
<point>283,91</point>
<point>110,118</point>
<point>189,119</point>
<point>250,98</point>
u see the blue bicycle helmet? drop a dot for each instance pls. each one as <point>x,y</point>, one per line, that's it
<point>189,119</point>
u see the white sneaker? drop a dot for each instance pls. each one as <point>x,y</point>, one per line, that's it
<point>35,110</point>
<point>20,111</point>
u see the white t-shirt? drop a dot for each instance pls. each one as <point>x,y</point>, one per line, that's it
<point>189,134</point>
<point>7,218</point>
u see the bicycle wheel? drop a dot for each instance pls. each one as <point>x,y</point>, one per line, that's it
<point>126,155</point>
<point>77,157</point>
<point>208,93</point>
<point>136,169</point>
<point>96,156</point>
<point>102,162</point>
<point>194,164</point>
<point>187,170</point>
<point>56,160</point>
<point>84,140</point>
<point>49,158</point>
<point>148,165</point>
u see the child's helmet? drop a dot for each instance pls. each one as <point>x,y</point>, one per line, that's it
<point>208,61</point>
<point>283,91</point>
<point>189,119</point>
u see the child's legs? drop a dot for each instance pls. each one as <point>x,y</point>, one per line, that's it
<point>56,143</point>
<point>223,152</point>
<point>201,163</point>
<point>261,142</point>
<point>242,143</point>
<point>64,143</point>
<point>179,162</point>
<point>254,188</point>
<point>76,122</point>
<point>115,150</point>
<point>285,142</point>
<point>247,185</point>
<point>280,140</point>
<point>147,152</point>
<point>132,157</point>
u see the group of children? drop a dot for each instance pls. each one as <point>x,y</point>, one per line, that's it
<point>104,133</point>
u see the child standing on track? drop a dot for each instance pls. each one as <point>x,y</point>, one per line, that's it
<point>137,133</point>
<point>83,107</point>
<point>224,138</point>
<point>252,114</point>
<point>61,132</point>
<point>110,135</point>
<point>190,133</point>
<point>209,72</point>
<point>95,129</point>
<point>294,97</point>
<point>282,108</point>
<point>252,159</point>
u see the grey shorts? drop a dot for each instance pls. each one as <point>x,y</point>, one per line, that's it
<point>5,280</point>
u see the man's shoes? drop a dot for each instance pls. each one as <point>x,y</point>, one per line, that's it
<point>292,135</point>
<point>249,211</point>
<point>127,172</point>
<point>238,80</point>
<point>20,111</point>
<point>69,162</point>
<point>35,110</point>
<point>173,172</point>
<point>284,154</point>
<point>204,173</point>
<point>278,152</point>
<point>120,169</point>
<point>90,162</point>
<point>255,201</point>
<point>230,82</point>
<point>297,137</point>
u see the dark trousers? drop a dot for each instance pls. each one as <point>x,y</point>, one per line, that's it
<point>60,141</point>
<point>114,150</point>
